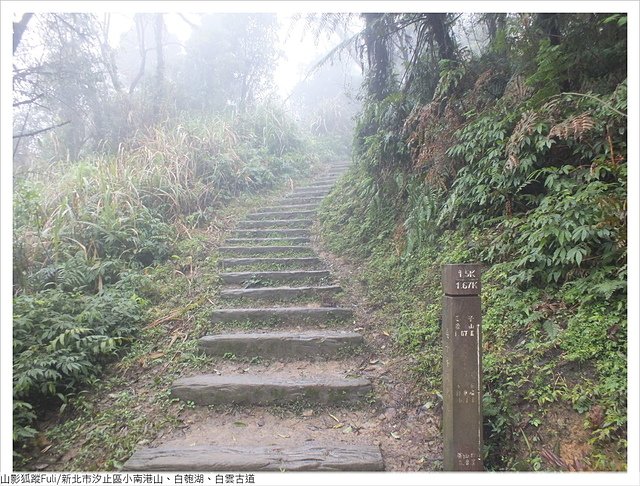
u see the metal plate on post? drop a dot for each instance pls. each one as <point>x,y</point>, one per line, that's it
<point>462,370</point>
<point>462,279</point>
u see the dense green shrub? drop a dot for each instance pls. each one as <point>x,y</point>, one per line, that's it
<point>61,339</point>
<point>60,336</point>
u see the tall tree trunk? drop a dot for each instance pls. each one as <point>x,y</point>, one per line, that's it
<point>109,54</point>
<point>495,22</point>
<point>378,59</point>
<point>159,101</point>
<point>440,30</point>
<point>140,32</point>
<point>548,22</point>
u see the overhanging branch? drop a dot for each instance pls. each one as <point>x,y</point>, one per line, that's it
<point>26,102</point>
<point>42,130</point>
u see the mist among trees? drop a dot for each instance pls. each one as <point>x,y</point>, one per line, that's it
<point>78,93</point>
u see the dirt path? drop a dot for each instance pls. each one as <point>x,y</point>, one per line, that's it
<point>408,429</point>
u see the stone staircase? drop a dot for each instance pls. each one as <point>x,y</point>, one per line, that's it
<point>283,292</point>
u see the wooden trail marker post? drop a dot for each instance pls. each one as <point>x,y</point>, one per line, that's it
<point>462,368</point>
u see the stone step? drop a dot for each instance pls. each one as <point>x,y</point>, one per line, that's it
<point>250,250</point>
<point>282,315</point>
<point>270,389</point>
<point>268,241</point>
<point>280,293</point>
<point>308,192</point>
<point>316,186</point>
<point>303,214</point>
<point>298,262</point>
<point>333,183</point>
<point>304,200</point>
<point>326,180</point>
<point>306,457</point>
<point>243,233</point>
<point>286,207</point>
<point>275,223</point>
<point>275,276</point>
<point>282,345</point>
<point>298,194</point>
<point>305,194</point>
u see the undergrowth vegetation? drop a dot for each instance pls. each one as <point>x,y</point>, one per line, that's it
<point>515,159</point>
<point>90,236</point>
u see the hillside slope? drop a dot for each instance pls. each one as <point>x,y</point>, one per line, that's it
<point>516,160</point>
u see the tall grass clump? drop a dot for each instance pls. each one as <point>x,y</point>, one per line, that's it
<point>85,231</point>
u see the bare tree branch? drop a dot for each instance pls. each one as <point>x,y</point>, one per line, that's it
<point>42,130</point>
<point>26,102</point>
